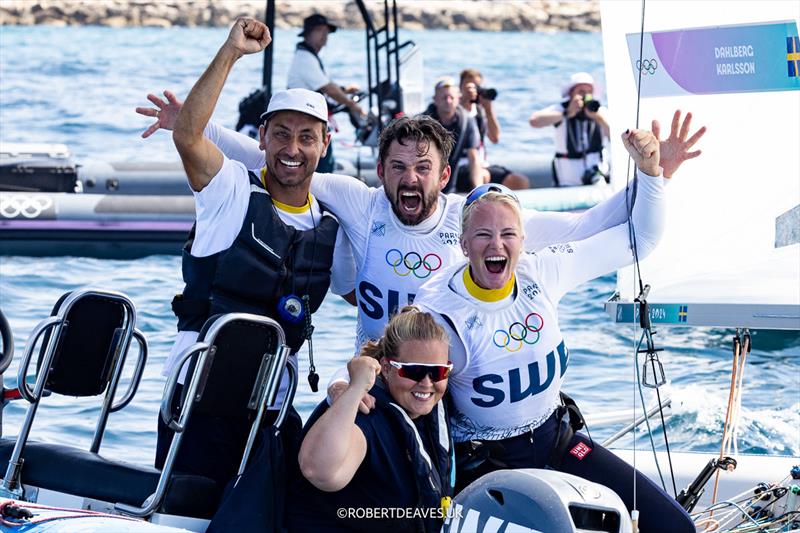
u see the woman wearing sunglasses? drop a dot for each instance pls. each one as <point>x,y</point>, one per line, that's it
<point>363,472</point>
<point>509,356</point>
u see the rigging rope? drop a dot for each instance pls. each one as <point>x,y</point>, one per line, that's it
<point>632,241</point>
<point>741,347</point>
<point>644,311</point>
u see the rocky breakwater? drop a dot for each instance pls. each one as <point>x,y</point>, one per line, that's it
<point>482,15</point>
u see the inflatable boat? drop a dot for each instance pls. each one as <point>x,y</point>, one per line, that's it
<point>51,206</point>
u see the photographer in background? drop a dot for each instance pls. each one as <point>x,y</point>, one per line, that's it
<point>581,133</point>
<point>477,101</point>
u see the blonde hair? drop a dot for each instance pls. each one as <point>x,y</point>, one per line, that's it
<point>493,197</point>
<point>410,324</point>
<point>475,74</point>
<point>444,82</point>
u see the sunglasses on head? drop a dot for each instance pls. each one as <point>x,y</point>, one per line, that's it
<point>480,190</point>
<point>418,371</point>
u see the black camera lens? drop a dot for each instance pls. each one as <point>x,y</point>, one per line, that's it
<point>592,105</point>
<point>487,94</point>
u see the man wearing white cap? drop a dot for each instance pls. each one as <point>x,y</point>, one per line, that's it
<point>262,244</point>
<point>581,132</point>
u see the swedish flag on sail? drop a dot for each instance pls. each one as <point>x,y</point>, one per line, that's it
<point>793,56</point>
<point>683,313</point>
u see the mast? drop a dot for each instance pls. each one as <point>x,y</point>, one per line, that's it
<point>269,20</point>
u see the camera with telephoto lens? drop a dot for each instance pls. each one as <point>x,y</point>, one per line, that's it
<point>486,93</point>
<point>591,104</point>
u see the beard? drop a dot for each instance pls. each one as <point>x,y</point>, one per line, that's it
<point>426,205</point>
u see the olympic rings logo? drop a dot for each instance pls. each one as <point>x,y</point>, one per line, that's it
<point>513,339</point>
<point>412,262</point>
<point>25,206</point>
<point>648,66</point>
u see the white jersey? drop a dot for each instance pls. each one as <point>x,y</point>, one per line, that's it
<point>515,354</point>
<point>509,357</point>
<point>397,262</point>
<point>358,207</point>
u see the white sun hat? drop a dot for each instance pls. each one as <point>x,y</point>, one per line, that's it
<point>577,79</point>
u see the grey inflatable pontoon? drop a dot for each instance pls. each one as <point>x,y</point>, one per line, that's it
<point>51,206</point>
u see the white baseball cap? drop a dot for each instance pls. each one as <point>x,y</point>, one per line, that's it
<point>577,79</point>
<point>301,100</point>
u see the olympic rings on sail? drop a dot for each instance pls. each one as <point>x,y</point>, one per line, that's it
<point>648,66</point>
<point>518,333</point>
<point>24,206</point>
<point>412,262</point>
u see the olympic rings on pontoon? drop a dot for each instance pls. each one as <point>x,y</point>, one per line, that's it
<point>24,206</point>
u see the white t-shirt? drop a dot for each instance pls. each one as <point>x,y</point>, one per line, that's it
<point>305,72</point>
<point>220,210</point>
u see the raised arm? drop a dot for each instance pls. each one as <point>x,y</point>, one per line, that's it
<point>335,447</point>
<point>550,116</point>
<point>545,228</point>
<point>233,144</point>
<point>475,168</point>
<point>569,265</point>
<point>202,160</point>
<point>236,146</point>
<point>675,149</point>
<point>492,124</point>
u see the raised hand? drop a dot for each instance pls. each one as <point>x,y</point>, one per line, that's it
<point>249,36</point>
<point>675,149</point>
<point>363,370</point>
<point>165,112</point>
<point>643,147</point>
<point>337,388</point>
<point>574,106</point>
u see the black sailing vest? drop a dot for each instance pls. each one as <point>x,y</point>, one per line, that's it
<point>311,509</point>
<point>579,128</point>
<point>457,130</point>
<point>482,122</point>
<point>268,260</point>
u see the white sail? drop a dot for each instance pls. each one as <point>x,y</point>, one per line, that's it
<point>731,252</point>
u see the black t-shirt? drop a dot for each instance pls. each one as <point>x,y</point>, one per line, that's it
<point>384,480</point>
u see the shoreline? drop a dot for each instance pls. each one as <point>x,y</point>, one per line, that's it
<point>476,15</point>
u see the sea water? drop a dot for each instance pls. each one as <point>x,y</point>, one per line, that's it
<point>79,86</point>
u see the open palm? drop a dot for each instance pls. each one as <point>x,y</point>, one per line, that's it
<point>165,114</point>
<point>675,149</point>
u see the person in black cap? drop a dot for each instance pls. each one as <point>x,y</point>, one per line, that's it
<point>308,72</point>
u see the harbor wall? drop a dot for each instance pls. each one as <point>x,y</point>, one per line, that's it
<point>480,15</point>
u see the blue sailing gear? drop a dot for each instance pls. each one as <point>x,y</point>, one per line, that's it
<point>408,465</point>
<point>268,260</point>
